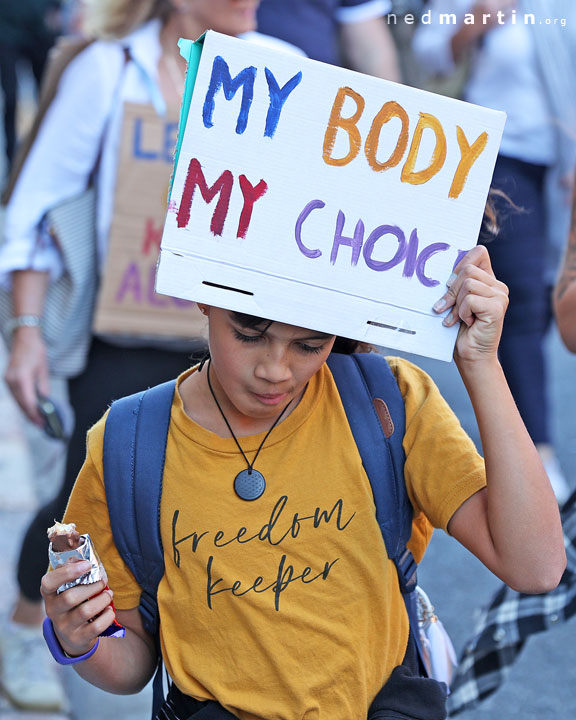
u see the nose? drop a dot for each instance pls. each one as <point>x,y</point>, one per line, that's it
<point>273,366</point>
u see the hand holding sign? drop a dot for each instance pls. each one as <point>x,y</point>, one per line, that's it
<point>479,300</point>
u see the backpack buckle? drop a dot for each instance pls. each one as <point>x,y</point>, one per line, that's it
<point>407,572</point>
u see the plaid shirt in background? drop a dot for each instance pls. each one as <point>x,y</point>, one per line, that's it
<point>506,624</point>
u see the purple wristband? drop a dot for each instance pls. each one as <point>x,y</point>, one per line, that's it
<point>56,649</point>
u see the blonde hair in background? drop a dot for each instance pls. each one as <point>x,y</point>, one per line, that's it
<point>116,18</point>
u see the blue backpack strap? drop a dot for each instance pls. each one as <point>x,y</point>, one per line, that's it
<point>135,440</point>
<point>361,378</point>
<point>134,452</point>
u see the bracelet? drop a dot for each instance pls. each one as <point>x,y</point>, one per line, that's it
<point>57,650</point>
<point>19,321</point>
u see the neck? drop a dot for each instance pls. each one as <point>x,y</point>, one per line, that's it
<point>176,26</point>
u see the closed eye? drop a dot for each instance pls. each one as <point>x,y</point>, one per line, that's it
<point>246,338</point>
<point>310,348</point>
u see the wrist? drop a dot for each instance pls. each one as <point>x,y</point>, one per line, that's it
<point>23,322</point>
<point>478,367</point>
<point>58,652</point>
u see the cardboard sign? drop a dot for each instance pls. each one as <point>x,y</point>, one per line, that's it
<point>323,198</point>
<point>127,302</point>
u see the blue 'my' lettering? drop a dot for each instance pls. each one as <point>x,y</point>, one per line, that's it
<point>221,78</point>
<point>278,97</point>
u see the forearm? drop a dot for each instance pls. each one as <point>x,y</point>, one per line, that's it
<point>469,35</point>
<point>369,48</point>
<point>27,372</point>
<point>565,290</point>
<point>565,310</point>
<point>464,40</point>
<point>122,666</point>
<point>525,542</point>
<point>28,292</point>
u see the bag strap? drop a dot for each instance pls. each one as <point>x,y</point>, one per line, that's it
<point>365,380</point>
<point>135,440</point>
<point>362,379</point>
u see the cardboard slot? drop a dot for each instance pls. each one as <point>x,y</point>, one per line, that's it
<point>226,287</point>
<point>391,327</point>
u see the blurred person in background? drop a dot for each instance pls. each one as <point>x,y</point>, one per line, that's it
<point>522,60</point>
<point>352,33</point>
<point>28,29</point>
<point>134,59</point>
<point>565,289</point>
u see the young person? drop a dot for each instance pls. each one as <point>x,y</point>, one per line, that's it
<point>305,619</point>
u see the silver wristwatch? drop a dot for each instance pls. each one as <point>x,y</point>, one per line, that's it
<point>19,321</point>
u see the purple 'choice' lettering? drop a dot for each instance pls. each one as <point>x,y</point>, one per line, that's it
<point>423,258</point>
<point>375,235</point>
<point>312,205</point>
<point>354,242</point>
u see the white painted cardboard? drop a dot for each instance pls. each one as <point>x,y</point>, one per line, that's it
<point>267,273</point>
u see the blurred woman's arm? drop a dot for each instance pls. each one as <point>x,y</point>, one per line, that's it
<point>57,168</point>
<point>368,47</point>
<point>441,43</point>
<point>27,372</point>
<point>565,290</point>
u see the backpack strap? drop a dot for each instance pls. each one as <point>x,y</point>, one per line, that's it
<point>135,440</point>
<point>135,449</point>
<point>364,380</point>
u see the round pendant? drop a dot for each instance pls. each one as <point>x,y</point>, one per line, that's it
<point>249,484</point>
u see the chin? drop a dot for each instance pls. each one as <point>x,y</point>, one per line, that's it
<point>247,21</point>
<point>244,28</point>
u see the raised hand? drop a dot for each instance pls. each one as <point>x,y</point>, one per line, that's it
<point>478,301</point>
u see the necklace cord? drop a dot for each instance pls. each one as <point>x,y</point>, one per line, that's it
<point>249,464</point>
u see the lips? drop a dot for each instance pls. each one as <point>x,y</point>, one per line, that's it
<point>271,398</point>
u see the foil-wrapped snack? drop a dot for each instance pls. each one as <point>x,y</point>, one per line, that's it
<point>67,544</point>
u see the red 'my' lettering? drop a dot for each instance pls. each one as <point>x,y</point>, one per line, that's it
<point>251,193</point>
<point>223,185</point>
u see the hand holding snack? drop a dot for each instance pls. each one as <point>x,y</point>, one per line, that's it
<point>77,598</point>
<point>82,613</point>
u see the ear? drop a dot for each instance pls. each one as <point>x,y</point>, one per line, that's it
<point>204,309</point>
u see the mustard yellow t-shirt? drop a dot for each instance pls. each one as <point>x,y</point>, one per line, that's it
<point>286,607</point>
